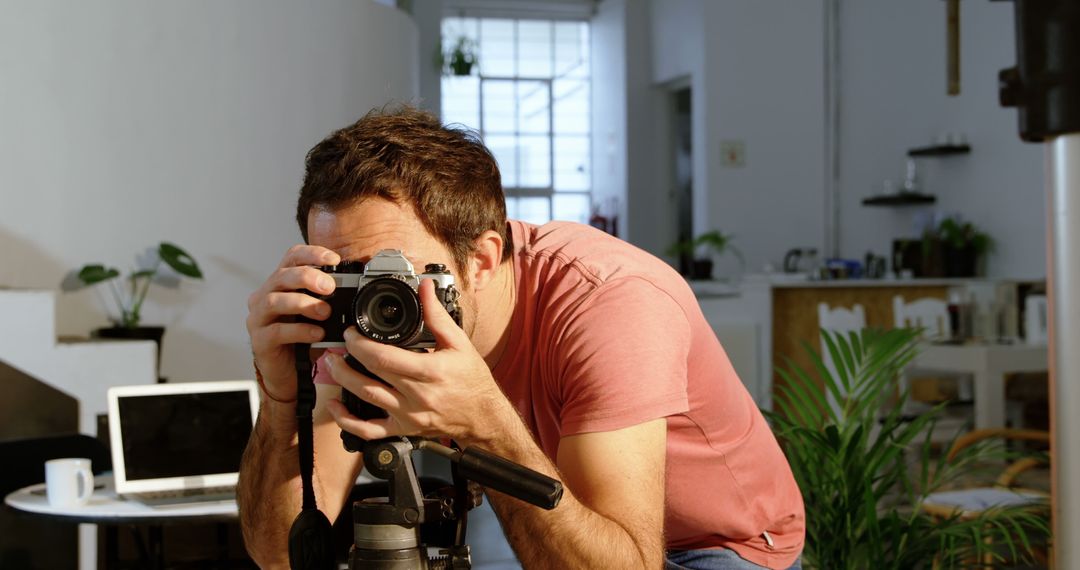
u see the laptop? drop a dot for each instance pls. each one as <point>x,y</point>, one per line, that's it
<point>180,443</point>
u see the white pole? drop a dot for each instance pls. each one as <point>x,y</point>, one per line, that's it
<point>1063,262</point>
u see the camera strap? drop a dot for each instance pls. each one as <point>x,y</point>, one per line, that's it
<point>311,536</point>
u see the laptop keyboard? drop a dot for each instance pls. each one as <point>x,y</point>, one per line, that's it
<point>186,496</point>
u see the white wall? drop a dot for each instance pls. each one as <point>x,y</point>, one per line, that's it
<point>678,34</point>
<point>609,101</point>
<point>428,15</point>
<point>756,69</point>
<point>893,97</point>
<point>125,123</point>
<point>764,86</point>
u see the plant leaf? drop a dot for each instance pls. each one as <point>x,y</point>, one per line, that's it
<point>179,260</point>
<point>96,273</point>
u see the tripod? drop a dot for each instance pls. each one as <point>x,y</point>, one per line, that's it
<point>395,532</point>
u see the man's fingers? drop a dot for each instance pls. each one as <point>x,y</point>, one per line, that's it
<point>367,389</point>
<point>391,363</point>
<point>302,254</point>
<point>277,334</point>
<point>364,429</point>
<point>437,320</point>
<point>278,304</point>
<point>302,277</point>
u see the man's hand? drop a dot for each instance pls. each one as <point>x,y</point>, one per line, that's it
<point>445,392</point>
<point>273,307</point>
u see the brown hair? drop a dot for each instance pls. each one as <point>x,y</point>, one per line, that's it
<point>408,156</point>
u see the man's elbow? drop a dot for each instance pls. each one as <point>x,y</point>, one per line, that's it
<point>265,552</point>
<point>266,546</point>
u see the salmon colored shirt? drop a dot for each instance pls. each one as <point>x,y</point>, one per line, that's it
<point>605,336</point>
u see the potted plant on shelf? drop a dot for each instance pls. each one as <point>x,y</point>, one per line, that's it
<point>865,470</point>
<point>129,300</point>
<point>459,59</point>
<point>696,256</point>
<point>955,248</point>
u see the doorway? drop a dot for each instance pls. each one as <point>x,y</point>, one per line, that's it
<point>681,156</point>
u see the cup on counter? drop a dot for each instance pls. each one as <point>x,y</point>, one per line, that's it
<point>68,481</point>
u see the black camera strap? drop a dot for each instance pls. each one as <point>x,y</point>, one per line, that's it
<point>311,536</point>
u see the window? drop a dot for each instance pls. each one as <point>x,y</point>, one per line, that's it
<point>529,98</point>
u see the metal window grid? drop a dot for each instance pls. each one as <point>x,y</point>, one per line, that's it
<point>518,191</point>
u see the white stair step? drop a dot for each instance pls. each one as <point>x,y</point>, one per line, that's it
<point>84,369</point>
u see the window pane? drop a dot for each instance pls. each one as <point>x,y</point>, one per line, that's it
<point>534,102</point>
<point>571,97</point>
<point>571,49</point>
<point>535,159</point>
<point>499,106</point>
<point>512,208</point>
<point>572,164</point>
<point>461,101</point>
<point>505,151</point>
<point>571,207</point>
<point>534,48</point>
<point>534,210</point>
<point>455,28</point>
<point>497,47</point>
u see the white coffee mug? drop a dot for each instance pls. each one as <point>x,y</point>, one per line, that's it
<point>68,482</point>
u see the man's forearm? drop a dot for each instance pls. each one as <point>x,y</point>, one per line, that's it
<point>570,536</point>
<point>266,492</point>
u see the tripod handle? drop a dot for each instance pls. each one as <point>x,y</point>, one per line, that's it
<point>508,477</point>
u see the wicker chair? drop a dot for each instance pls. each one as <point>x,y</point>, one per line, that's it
<point>969,502</point>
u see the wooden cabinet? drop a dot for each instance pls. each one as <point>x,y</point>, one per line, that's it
<point>795,316</point>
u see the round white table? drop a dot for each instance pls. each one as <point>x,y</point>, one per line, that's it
<point>107,508</point>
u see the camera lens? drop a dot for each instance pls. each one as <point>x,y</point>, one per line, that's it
<point>388,311</point>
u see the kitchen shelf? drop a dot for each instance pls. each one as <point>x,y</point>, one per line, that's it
<point>940,150</point>
<point>900,199</point>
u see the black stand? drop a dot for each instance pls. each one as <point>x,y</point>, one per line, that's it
<point>395,532</point>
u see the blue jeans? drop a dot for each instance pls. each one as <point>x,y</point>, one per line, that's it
<point>712,559</point>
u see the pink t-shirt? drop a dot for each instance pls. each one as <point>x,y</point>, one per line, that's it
<point>605,336</point>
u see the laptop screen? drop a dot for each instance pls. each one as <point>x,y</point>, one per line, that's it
<point>184,435</point>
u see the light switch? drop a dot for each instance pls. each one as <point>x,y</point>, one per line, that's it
<point>733,154</point>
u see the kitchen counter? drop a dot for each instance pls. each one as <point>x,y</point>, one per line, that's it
<point>778,313</point>
<point>786,281</point>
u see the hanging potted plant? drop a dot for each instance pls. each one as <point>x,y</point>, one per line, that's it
<point>129,299</point>
<point>459,59</point>
<point>696,256</point>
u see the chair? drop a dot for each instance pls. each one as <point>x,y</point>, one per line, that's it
<point>1036,322</point>
<point>28,542</point>
<point>838,320</point>
<point>929,314</point>
<point>24,459</point>
<point>970,502</point>
<point>931,317</point>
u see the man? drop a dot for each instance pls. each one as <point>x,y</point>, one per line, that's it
<point>579,356</point>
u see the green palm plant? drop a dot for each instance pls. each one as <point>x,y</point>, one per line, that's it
<point>864,469</point>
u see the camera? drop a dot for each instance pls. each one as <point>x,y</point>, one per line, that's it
<point>381,298</point>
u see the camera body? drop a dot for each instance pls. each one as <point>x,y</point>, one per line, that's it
<point>381,298</point>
